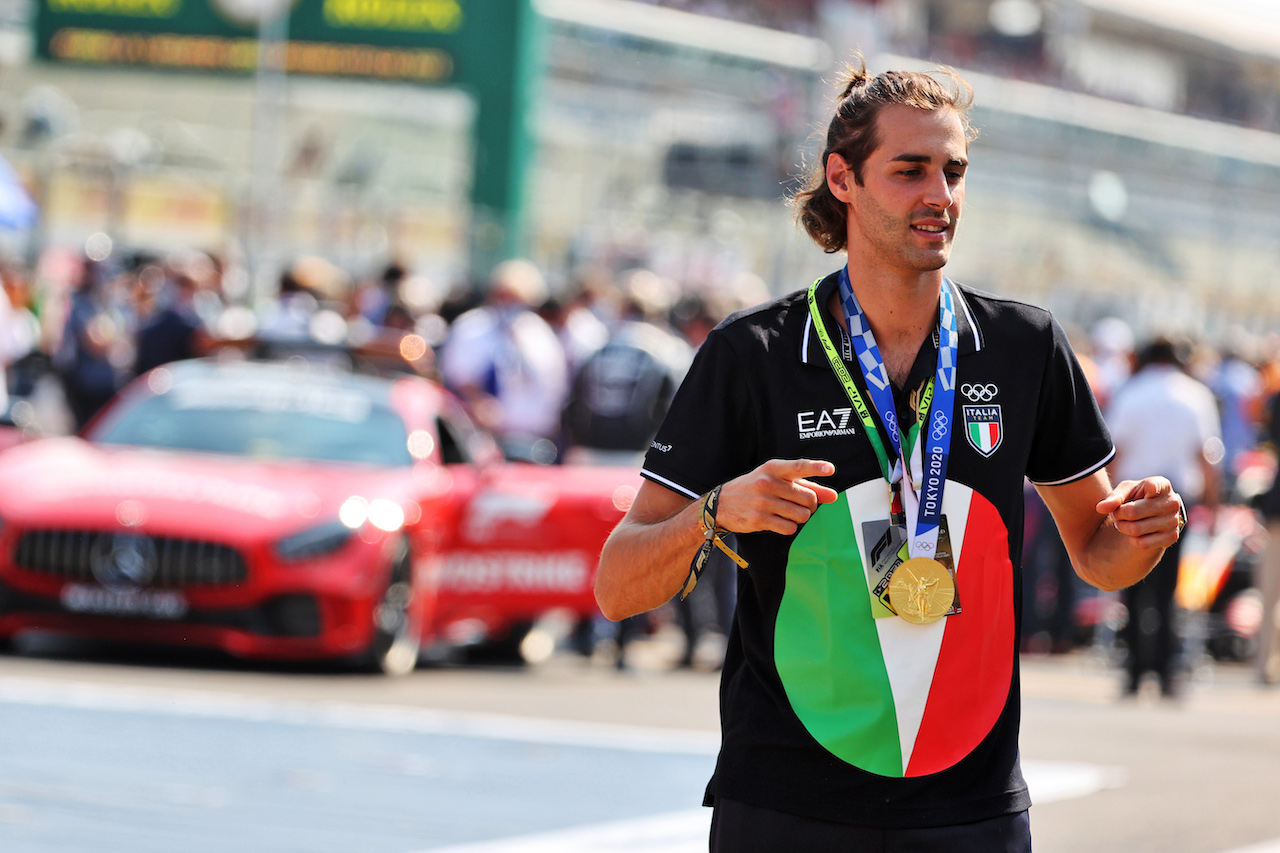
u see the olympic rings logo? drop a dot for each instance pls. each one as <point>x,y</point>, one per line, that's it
<point>924,545</point>
<point>980,393</point>
<point>891,421</point>
<point>940,424</point>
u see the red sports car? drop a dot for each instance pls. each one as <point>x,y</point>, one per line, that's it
<point>279,510</point>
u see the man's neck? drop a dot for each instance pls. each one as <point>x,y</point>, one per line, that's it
<point>902,312</point>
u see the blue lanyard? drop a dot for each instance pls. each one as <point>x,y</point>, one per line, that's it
<point>927,465</point>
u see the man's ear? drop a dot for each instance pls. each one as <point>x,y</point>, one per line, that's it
<point>840,178</point>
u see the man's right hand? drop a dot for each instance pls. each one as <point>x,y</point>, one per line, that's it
<point>777,496</point>
<point>645,561</point>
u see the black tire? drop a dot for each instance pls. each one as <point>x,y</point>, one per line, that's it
<point>504,651</point>
<point>396,638</point>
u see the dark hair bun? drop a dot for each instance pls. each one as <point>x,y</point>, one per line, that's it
<point>855,76</point>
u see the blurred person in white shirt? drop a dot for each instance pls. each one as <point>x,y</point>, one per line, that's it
<point>506,362</point>
<point>1165,421</point>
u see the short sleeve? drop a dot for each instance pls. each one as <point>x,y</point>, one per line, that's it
<point>1125,420</point>
<point>468,353</point>
<point>1209,418</point>
<point>1071,439</point>
<point>710,432</point>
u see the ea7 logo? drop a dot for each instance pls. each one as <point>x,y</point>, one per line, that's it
<point>823,423</point>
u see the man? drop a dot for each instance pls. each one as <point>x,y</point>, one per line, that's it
<point>1266,574</point>
<point>507,364</point>
<point>176,332</point>
<point>91,335</point>
<point>1186,446</point>
<point>618,396</point>
<point>1237,385</point>
<point>621,392</point>
<point>854,709</point>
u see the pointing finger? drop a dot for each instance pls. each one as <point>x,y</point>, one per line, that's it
<point>824,495</point>
<point>798,469</point>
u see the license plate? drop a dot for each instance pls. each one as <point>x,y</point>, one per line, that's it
<point>148,603</point>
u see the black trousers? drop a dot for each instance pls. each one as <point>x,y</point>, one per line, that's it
<point>740,828</point>
<point>1149,634</point>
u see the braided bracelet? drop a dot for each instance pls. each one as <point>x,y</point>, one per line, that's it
<point>714,537</point>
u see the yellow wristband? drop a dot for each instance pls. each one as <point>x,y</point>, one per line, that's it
<point>714,536</point>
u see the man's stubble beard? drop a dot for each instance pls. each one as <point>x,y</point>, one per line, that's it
<point>889,248</point>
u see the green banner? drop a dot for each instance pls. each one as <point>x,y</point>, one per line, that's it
<point>486,47</point>
<point>422,40</point>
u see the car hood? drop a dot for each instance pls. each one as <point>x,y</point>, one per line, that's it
<point>68,482</point>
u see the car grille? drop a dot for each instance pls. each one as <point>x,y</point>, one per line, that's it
<point>69,554</point>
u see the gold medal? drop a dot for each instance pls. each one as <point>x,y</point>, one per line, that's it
<point>921,590</point>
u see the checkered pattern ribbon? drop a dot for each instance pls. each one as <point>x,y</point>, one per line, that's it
<point>929,455</point>
<point>948,341</point>
<point>864,342</point>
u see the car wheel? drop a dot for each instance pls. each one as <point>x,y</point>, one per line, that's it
<point>524,644</point>
<point>396,638</point>
<point>502,651</point>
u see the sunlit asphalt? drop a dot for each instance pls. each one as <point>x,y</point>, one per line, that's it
<point>138,751</point>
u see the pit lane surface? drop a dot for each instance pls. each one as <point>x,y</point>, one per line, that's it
<point>114,768</point>
<point>142,752</point>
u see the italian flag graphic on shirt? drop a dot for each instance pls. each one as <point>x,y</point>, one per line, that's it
<point>985,436</point>
<point>887,696</point>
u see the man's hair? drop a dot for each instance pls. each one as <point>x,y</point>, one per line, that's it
<point>852,135</point>
<point>1164,349</point>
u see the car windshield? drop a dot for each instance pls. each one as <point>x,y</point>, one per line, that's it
<point>277,418</point>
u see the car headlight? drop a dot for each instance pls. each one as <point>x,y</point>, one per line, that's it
<point>384,514</point>
<point>314,541</point>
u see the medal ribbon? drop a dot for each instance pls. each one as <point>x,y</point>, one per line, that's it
<point>928,458</point>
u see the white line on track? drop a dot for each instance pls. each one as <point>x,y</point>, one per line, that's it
<point>1050,781</point>
<point>686,831</point>
<point>193,703</point>
<point>670,833</point>
<point>674,832</point>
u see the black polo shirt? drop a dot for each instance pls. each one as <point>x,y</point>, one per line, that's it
<point>832,707</point>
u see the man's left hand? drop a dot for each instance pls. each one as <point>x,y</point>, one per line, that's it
<point>1148,511</point>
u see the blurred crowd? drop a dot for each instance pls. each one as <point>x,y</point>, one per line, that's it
<point>579,371</point>
<point>583,370</point>
<point>514,347</point>
<point>1208,417</point>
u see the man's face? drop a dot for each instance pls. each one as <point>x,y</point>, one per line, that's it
<point>905,213</point>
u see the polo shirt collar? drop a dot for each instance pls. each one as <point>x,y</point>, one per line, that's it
<point>811,344</point>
